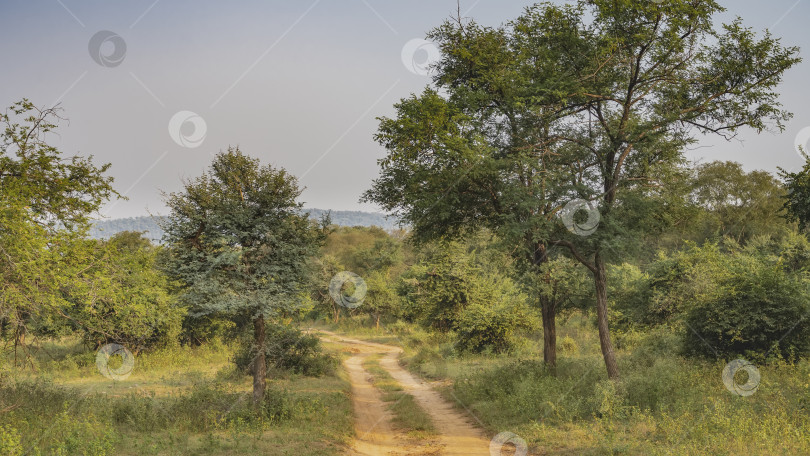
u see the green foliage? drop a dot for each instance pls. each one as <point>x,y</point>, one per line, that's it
<point>376,256</point>
<point>594,100</point>
<point>531,102</point>
<point>761,311</point>
<point>797,198</point>
<point>460,287</point>
<point>130,302</point>
<point>206,328</point>
<point>442,284</point>
<point>288,349</point>
<point>345,244</point>
<point>560,282</point>
<point>10,441</point>
<point>669,287</point>
<point>238,242</point>
<point>240,246</point>
<point>381,298</point>
<point>47,201</point>
<point>728,299</point>
<point>736,204</point>
<point>212,405</point>
<point>326,267</point>
<point>58,192</point>
<point>86,435</point>
<point>492,326</point>
<point>384,254</point>
<point>664,404</point>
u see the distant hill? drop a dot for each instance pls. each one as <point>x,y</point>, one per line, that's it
<point>103,229</point>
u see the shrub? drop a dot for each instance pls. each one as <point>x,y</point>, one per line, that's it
<point>569,346</point>
<point>132,304</point>
<point>668,288</point>
<point>287,348</point>
<point>482,327</point>
<point>277,405</point>
<point>10,444</point>
<point>761,312</point>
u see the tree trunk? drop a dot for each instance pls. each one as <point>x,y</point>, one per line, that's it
<point>600,282</point>
<point>549,313</point>
<point>377,320</point>
<point>259,363</point>
<point>549,333</point>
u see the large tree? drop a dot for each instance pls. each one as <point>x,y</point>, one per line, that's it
<point>240,244</point>
<point>592,101</point>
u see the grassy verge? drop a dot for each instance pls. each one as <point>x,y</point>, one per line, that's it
<point>177,401</point>
<point>408,415</point>
<point>665,404</point>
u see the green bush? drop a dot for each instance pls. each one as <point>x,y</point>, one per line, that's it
<point>288,349</point>
<point>728,299</point>
<point>10,444</point>
<point>761,312</point>
<point>668,288</point>
<point>491,327</point>
<point>129,302</point>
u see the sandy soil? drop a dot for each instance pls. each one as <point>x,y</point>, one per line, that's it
<point>375,434</point>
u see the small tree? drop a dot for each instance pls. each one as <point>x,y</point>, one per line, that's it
<point>240,244</point>
<point>379,263</point>
<point>47,201</point>
<point>381,297</point>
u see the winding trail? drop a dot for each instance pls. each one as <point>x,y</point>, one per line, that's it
<point>376,436</point>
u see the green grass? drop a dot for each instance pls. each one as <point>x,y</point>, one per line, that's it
<point>177,401</point>
<point>665,404</point>
<point>408,415</point>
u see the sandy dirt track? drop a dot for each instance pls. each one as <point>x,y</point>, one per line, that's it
<point>375,433</point>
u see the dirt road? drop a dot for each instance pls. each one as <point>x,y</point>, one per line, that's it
<point>375,434</point>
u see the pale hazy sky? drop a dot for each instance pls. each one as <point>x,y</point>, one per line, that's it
<point>295,83</point>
